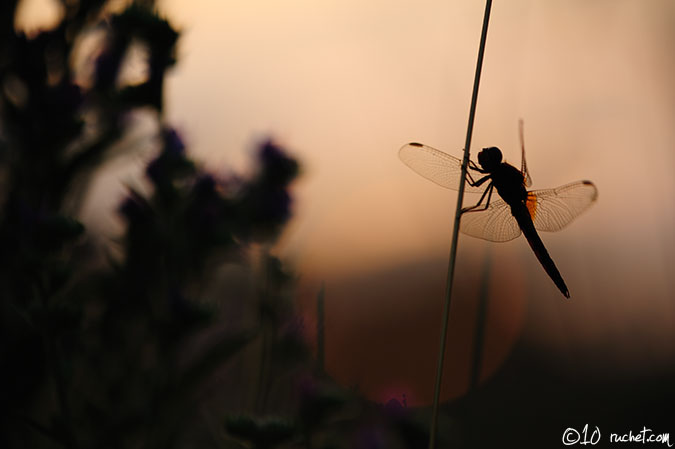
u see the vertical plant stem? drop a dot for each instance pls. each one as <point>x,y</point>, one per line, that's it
<point>265,304</point>
<point>455,229</point>
<point>481,316</point>
<point>320,328</point>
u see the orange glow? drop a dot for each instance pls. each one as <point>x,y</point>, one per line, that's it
<point>531,204</point>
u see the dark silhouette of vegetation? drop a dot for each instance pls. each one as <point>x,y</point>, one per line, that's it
<point>143,342</point>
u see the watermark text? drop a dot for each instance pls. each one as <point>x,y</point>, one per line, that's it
<point>592,436</point>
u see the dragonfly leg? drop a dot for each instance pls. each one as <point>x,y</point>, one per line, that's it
<point>478,183</point>
<point>474,167</point>
<point>477,207</point>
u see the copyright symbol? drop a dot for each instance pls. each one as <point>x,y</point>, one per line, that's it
<point>570,436</point>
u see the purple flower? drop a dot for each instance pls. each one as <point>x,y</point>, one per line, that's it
<point>278,169</point>
<point>171,162</point>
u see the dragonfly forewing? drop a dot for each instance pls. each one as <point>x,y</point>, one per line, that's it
<point>523,164</point>
<point>436,166</point>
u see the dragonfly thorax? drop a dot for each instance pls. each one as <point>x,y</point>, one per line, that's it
<point>490,158</point>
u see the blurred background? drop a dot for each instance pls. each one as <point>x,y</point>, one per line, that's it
<point>345,83</point>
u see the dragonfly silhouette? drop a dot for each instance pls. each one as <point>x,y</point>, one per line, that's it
<point>518,210</point>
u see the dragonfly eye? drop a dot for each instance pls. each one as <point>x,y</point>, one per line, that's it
<point>490,158</point>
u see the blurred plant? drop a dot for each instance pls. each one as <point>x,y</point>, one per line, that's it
<point>132,346</point>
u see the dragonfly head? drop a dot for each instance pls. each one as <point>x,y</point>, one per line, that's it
<point>490,158</point>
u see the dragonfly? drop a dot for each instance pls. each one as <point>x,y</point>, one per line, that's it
<point>517,211</point>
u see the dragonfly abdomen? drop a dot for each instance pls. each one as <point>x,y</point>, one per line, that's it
<point>522,216</point>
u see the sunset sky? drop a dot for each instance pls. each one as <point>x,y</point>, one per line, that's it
<point>343,84</point>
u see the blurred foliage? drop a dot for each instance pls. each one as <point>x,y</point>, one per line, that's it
<point>148,344</point>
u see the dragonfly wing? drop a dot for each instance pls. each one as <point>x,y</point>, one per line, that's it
<point>435,165</point>
<point>523,165</point>
<point>553,209</point>
<point>495,224</point>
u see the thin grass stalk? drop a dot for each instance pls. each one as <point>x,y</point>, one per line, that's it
<point>320,329</point>
<point>479,335</point>
<point>455,229</point>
